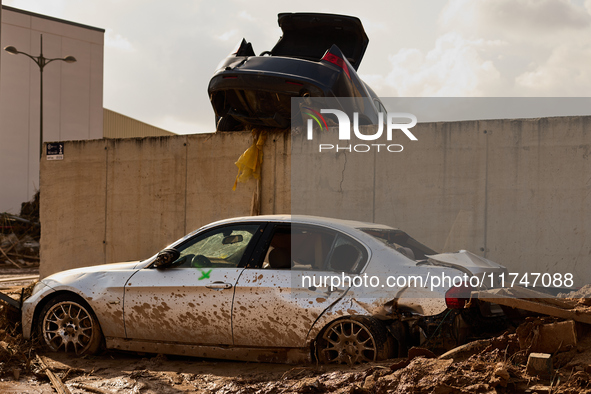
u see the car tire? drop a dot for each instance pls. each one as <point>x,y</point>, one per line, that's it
<point>68,324</point>
<point>228,123</point>
<point>353,340</point>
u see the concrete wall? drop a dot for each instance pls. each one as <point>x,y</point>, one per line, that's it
<point>515,191</point>
<point>125,199</point>
<point>73,95</point>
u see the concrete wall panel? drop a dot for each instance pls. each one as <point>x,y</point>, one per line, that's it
<point>96,88</point>
<point>539,190</point>
<point>331,183</point>
<point>15,167</point>
<point>434,189</point>
<point>145,205</point>
<point>210,177</point>
<point>276,174</point>
<point>73,207</point>
<point>16,19</point>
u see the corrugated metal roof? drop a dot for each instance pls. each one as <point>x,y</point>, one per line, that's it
<point>116,125</point>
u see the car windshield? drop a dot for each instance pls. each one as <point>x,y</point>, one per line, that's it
<point>220,247</point>
<point>401,242</point>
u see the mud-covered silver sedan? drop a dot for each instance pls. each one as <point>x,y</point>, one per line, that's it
<point>267,288</point>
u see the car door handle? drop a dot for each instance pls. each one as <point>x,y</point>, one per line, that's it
<point>218,285</point>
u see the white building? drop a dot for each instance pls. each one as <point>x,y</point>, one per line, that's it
<point>72,95</point>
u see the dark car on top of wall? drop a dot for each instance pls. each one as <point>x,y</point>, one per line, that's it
<point>318,55</point>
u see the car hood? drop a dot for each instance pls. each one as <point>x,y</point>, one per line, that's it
<point>310,35</point>
<point>465,261</point>
<point>95,268</point>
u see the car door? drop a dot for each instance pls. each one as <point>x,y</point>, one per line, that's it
<point>277,302</point>
<point>191,302</point>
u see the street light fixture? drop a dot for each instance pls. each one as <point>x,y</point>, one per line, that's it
<point>41,61</point>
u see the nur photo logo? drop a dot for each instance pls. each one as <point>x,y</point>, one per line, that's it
<point>392,123</point>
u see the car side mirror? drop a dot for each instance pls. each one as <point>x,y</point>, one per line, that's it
<point>166,258</point>
<point>232,239</point>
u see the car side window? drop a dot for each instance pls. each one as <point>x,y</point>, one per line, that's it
<point>278,255</point>
<point>347,255</point>
<point>310,246</point>
<point>298,247</point>
<point>222,247</point>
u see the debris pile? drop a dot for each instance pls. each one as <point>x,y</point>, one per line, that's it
<point>504,364</point>
<point>19,236</point>
<point>497,365</point>
<point>16,353</point>
<point>582,294</point>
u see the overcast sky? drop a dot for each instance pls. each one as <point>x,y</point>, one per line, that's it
<point>160,55</point>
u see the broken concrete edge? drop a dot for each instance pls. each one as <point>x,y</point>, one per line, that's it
<point>556,337</point>
<point>539,364</point>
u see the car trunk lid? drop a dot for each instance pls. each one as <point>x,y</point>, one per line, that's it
<point>310,35</point>
<point>467,262</point>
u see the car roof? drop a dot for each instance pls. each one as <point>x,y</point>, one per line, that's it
<point>306,219</point>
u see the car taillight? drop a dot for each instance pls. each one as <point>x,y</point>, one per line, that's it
<point>334,59</point>
<point>458,296</point>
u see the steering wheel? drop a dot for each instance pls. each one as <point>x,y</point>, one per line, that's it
<point>265,53</point>
<point>184,261</point>
<point>200,261</point>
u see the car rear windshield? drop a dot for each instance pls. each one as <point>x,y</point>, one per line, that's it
<point>402,242</point>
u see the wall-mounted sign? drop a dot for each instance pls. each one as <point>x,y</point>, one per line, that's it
<point>55,150</point>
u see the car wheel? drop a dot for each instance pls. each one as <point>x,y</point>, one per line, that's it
<point>356,339</point>
<point>228,123</point>
<point>67,324</point>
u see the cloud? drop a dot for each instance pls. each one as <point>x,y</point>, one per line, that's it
<point>454,67</point>
<point>227,35</point>
<point>500,48</point>
<point>116,41</point>
<point>506,18</point>
<point>246,15</point>
<point>565,72</point>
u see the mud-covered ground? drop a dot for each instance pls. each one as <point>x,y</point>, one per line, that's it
<point>492,366</point>
<point>124,373</point>
<point>496,365</point>
<point>489,371</point>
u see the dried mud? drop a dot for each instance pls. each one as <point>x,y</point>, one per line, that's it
<point>495,365</point>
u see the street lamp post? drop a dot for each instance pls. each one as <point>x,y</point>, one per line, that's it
<point>41,61</point>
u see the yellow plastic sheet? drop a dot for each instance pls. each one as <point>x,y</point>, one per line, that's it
<point>250,162</point>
